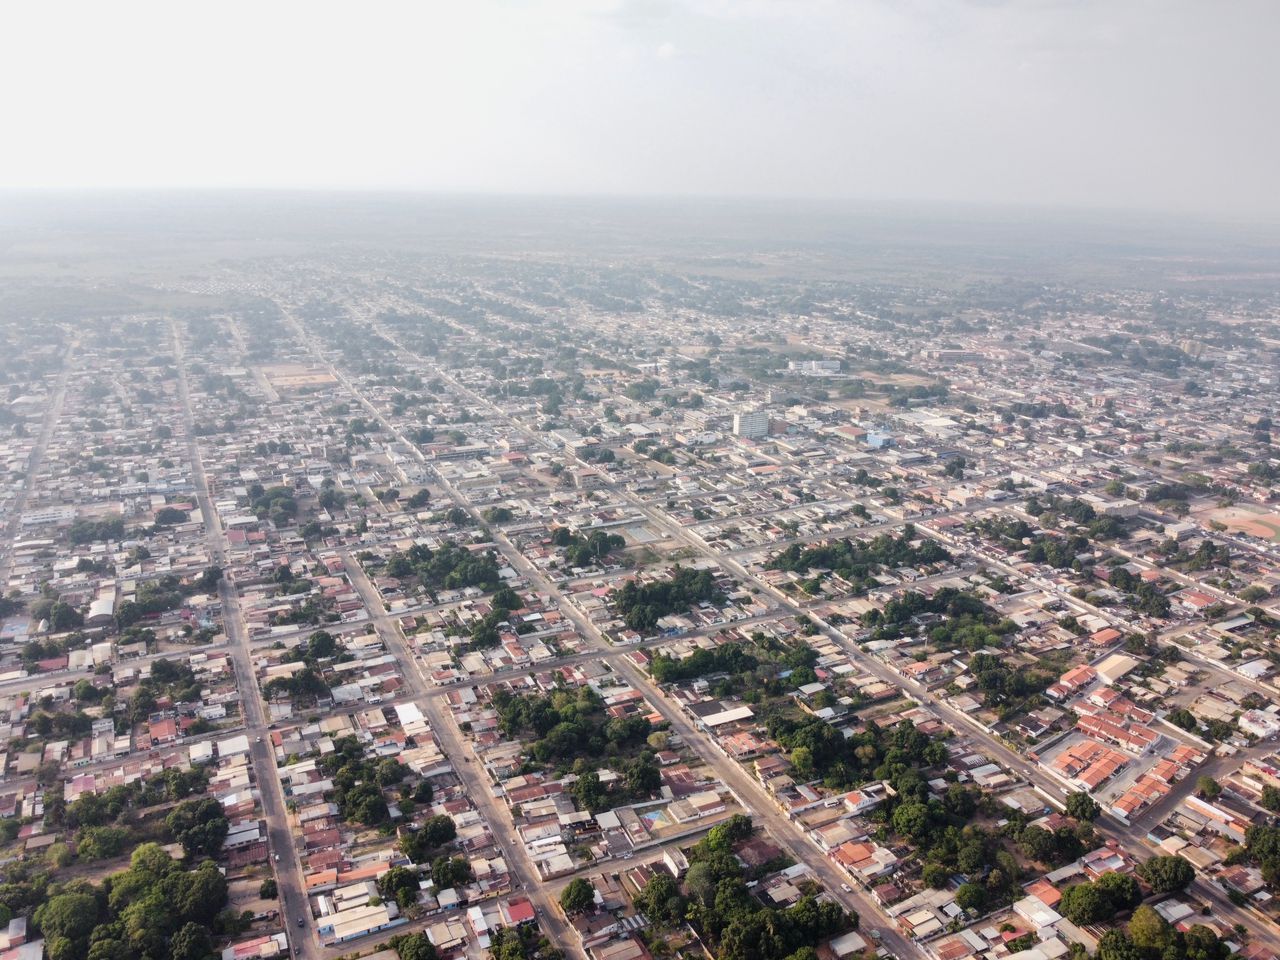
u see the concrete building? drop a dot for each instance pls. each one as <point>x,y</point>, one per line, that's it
<point>751,424</point>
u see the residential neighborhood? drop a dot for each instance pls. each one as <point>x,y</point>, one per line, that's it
<point>409,611</point>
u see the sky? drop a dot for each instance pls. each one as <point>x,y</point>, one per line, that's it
<point>1166,105</point>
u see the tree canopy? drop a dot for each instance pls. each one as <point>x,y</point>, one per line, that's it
<point>154,910</point>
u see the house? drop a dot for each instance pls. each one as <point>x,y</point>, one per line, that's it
<point>627,948</point>
<point>1089,764</point>
<point>1115,667</point>
<point>1194,601</point>
<point>163,732</point>
<point>1072,682</point>
<point>1036,912</point>
<point>847,945</point>
<point>1259,723</point>
<point>1105,637</point>
<point>257,948</point>
<point>359,921</point>
<point>866,798</point>
<point>865,860</point>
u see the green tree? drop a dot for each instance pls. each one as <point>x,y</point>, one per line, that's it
<point>413,946</point>
<point>1083,807</point>
<point>1208,788</point>
<point>1150,931</point>
<point>1203,944</point>
<point>59,856</point>
<point>201,893</point>
<point>577,896</point>
<point>149,863</point>
<point>911,820</point>
<point>71,916</point>
<point>1167,874</point>
<point>449,872</point>
<point>723,836</point>
<point>936,876</point>
<point>399,884</point>
<point>1038,844</point>
<point>701,882</point>
<point>389,772</point>
<point>1114,945</point>
<point>971,896</point>
<point>109,948</point>
<point>1084,904</point>
<point>1120,889</point>
<point>589,792</point>
<point>439,829</point>
<point>208,581</point>
<point>322,644</point>
<point>191,942</point>
<point>521,943</point>
<point>103,843</point>
<point>64,617</point>
<point>660,900</point>
<point>643,775</point>
<point>199,825</point>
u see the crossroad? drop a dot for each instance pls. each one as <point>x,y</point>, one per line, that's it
<point>749,791</point>
<point>1131,836</point>
<point>478,789</point>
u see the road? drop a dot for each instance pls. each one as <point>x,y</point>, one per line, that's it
<point>478,788</point>
<point>749,790</point>
<point>59,678</point>
<point>47,427</point>
<point>1133,837</point>
<point>732,772</point>
<point>291,888</point>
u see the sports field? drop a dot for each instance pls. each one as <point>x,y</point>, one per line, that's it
<point>1255,522</point>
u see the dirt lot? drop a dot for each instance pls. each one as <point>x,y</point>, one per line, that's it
<point>1254,522</point>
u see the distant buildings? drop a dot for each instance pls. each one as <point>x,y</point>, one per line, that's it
<point>814,368</point>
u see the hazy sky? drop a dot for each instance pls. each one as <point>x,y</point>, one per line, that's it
<point>1165,104</point>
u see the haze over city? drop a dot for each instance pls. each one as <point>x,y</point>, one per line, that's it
<point>604,480</point>
<point>1151,105</point>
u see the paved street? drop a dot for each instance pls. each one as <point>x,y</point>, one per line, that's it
<point>734,775</point>
<point>288,868</point>
<point>749,790</point>
<point>1133,837</point>
<point>478,788</point>
<point>47,425</point>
